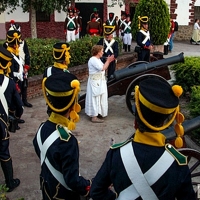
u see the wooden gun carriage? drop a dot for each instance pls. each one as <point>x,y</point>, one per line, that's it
<point>124,81</point>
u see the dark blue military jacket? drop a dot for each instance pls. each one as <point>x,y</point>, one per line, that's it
<point>64,157</point>
<point>109,53</point>
<point>175,183</point>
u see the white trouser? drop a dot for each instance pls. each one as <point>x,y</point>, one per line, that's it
<point>70,36</point>
<point>127,38</point>
<point>77,36</point>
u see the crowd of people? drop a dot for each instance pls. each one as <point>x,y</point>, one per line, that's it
<point>95,26</point>
<point>142,167</point>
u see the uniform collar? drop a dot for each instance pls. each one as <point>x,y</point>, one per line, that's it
<point>156,139</point>
<point>13,50</point>
<point>60,65</point>
<point>59,119</point>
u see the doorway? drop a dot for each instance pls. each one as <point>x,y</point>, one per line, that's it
<point>86,9</point>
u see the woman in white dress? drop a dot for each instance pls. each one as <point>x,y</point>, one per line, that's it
<point>96,103</point>
<point>196,33</point>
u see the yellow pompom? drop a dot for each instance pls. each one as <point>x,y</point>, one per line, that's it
<point>179,129</point>
<point>15,35</point>
<point>180,118</point>
<point>63,46</point>
<point>178,142</point>
<point>77,119</point>
<point>75,84</point>
<point>73,115</point>
<point>77,107</point>
<point>178,90</point>
<point>71,126</point>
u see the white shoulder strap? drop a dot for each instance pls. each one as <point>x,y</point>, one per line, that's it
<point>49,71</point>
<point>147,36</point>
<point>2,96</point>
<point>141,187</point>
<point>43,149</point>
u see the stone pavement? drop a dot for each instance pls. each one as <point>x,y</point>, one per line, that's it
<point>94,138</point>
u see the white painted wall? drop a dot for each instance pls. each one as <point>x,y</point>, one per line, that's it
<point>18,15</point>
<point>182,12</point>
<point>197,3</point>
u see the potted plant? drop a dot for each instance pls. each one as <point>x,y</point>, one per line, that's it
<point>159,21</point>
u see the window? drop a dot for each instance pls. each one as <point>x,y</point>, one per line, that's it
<point>196,12</point>
<point>42,16</point>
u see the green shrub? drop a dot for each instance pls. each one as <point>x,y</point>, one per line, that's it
<point>188,73</point>
<point>194,104</point>
<point>3,190</point>
<point>159,19</point>
<point>42,57</point>
<point>194,107</point>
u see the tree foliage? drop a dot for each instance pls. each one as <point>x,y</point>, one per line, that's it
<point>42,5</point>
<point>159,19</point>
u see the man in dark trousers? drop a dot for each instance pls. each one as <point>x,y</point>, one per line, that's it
<point>55,145</point>
<point>8,96</point>
<point>143,40</point>
<point>13,40</point>
<point>61,56</point>
<point>25,56</point>
<point>110,46</point>
<point>144,166</point>
<point>111,21</point>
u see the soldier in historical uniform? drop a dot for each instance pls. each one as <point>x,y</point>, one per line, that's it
<point>79,22</point>
<point>93,27</point>
<point>13,40</point>
<point>8,96</point>
<point>110,48</point>
<point>55,144</point>
<point>61,56</point>
<point>25,57</point>
<point>145,167</point>
<point>95,15</point>
<point>70,26</point>
<point>127,38</point>
<point>111,21</point>
<point>143,40</point>
<point>121,21</point>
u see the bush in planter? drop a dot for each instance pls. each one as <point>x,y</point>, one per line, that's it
<point>41,52</point>
<point>159,19</point>
<point>194,107</point>
<point>187,74</point>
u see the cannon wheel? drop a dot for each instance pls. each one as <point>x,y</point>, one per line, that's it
<point>132,65</point>
<point>194,165</point>
<point>130,97</point>
<point>153,58</point>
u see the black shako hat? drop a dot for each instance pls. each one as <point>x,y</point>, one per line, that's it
<point>13,37</point>
<point>107,29</point>
<point>61,93</point>
<point>157,100</point>
<point>5,58</point>
<point>157,105</point>
<point>60,50</point>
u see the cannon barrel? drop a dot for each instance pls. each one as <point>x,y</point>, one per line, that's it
<point>138,68</point>
<point>189,125</point>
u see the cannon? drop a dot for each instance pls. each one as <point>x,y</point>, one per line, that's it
<point>122,81</point>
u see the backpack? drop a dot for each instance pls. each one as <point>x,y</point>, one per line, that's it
<point>175,26</point>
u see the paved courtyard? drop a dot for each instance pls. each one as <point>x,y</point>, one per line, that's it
<point>94,139</point>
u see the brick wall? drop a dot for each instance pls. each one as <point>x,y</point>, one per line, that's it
<point>81,71</point>
<point>184,33</point>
